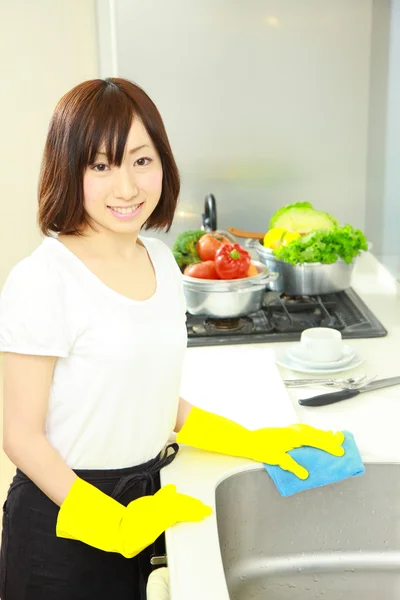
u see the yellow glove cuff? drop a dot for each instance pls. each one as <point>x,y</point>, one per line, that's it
<point>87,509</point>
<point>208,431</point>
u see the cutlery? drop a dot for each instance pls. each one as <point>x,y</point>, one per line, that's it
<point>324,381</point>
<point>332,397</point>
<point>357,385</point>
<point>343,384</point>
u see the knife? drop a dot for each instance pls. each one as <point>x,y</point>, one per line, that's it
<point>332,397</point>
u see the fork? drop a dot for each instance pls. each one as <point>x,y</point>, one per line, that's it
<point>328,381</point>
<point>352,386</point>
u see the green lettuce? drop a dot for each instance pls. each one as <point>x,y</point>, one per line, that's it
<point>325,246</point>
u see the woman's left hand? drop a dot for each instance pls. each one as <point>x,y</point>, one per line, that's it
<point>269,445</point>
<point>272,444</point>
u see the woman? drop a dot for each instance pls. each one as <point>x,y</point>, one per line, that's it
<point>92,325</point>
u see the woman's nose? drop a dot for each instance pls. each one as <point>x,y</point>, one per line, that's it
<point>125,185</point>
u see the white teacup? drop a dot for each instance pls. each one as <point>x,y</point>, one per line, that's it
<point>322,344</point>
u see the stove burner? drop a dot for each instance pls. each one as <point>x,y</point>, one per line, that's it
<point>298,321</point>
<point>297,303</point>
<point>296,313</point>
<point>284,317</point>
<point>225,324</point>
<point>286,298</point>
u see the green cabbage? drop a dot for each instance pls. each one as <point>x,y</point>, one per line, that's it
<point>302,217</point>
<point>325,246</point>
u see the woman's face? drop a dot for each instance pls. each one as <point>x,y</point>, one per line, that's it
<point>121,199</point>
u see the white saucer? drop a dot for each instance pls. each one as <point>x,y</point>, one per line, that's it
<point>283,360</point>
<point>295,353</point>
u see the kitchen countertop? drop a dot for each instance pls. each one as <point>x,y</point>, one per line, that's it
<point>244,384</point>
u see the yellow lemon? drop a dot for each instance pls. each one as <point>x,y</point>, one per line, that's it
<point>273,237</point>
<point>290,236</point>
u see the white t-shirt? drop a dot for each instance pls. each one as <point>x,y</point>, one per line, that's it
<point>115,390</point>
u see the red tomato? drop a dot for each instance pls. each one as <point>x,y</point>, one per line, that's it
<point>203,270</point>
<point>209,243</point>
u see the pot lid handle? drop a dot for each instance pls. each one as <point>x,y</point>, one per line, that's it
<point>209,217</point>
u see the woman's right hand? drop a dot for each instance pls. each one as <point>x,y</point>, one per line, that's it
<point>180,506</point>
<point>89,515</point>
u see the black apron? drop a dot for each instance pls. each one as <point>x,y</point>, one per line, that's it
<point>37,565</point>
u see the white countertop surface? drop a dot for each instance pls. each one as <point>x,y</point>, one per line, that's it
<point>244,384</point>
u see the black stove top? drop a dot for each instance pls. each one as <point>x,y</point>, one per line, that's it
<point>283,318</point>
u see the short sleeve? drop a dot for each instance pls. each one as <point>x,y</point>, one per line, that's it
<point>176,275</point>
<point>33,317</point>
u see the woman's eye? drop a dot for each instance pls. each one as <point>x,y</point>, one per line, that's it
<point>100,167</point>
<point>143,162</point>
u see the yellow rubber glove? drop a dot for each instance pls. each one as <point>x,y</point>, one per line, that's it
<point>92,517</point>
<point>269,445</point>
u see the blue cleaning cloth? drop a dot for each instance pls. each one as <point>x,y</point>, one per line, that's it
<point>323,468</point>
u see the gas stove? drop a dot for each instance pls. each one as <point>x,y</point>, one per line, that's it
<point>283,318</point>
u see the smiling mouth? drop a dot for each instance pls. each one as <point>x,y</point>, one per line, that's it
<point>125,210</point>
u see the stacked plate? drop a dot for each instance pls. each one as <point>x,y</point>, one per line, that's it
<point>294,358</point>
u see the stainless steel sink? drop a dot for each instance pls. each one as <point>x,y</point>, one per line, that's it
<point>339,542</point>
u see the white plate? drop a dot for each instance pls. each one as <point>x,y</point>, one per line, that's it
<point>283,360</point>
<point>295,353</point>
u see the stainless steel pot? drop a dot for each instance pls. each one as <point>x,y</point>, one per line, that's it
<point>306,279</point>
<point>227,298</point>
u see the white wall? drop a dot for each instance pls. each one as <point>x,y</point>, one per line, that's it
<point>265,101</point>
<point>378,98</point>
<point>46,47</point>
<point>391,199</point>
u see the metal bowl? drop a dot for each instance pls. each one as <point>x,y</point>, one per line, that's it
<point>227,298</point>
<point>307,279</point>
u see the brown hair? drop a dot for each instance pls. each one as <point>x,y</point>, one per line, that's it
<point>92,113</point>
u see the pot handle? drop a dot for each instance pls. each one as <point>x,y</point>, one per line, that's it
<point>245,234</point>
<point>252,243</point>
<point>261,281</point>
<point>210,214</point>
<point>271,276</point>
